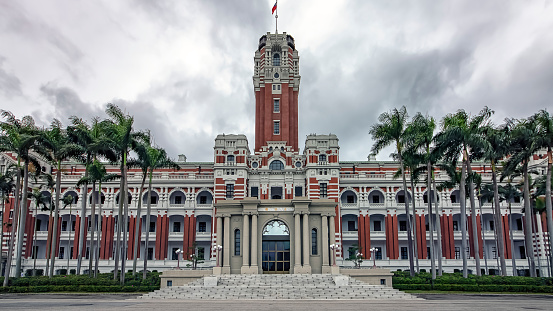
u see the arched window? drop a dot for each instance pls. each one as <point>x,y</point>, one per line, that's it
<point>276,59</point>
<point>276,165</point>
<point>313,241</point>
<point>322,158</point>
<point>230,158</point>
<point>237,242</point>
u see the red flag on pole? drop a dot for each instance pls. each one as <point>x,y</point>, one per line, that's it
<point>274,8</point>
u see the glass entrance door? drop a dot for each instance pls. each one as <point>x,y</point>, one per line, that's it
<point>275,256</point>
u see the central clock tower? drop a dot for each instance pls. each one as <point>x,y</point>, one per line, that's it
<point>276,83</point>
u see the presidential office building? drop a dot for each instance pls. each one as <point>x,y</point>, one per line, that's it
<point>275,208</point>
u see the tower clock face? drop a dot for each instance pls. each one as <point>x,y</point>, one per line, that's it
<point>255,164</point>
<point>298,164</point>
<point>276,75</point>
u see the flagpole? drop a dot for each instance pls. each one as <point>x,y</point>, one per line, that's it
<point>276,17</point>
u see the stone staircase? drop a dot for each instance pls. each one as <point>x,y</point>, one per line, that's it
<point>285,286</point>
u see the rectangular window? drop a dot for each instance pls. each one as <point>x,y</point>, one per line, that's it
<point>62,252</point>
<point>202,226</point>
<point>176,226</point>
<point>314,242</point>
<point>376,199</point>
<point>150,253</point>
<point>178,199</point>
<point>230,191</point>
<point>35,252</point>
<point>377,225</point>
<point>457,253</point>
<point>276,127</point>
<point>255,192</point>
<point>236,242</point>
<point>38,223</point>
<point>494,252</point>
<point>519,224</point>
<point>276,104</point>
<point>350,199</point>
<point>378,253</point>
<point>323,190</point>
<point>298,191</point>
<point>455,225</point>
<point>64,226</point>
<point>400,198</point>
<point>152,226</point>
<point>203,199</point>
<point>428,253</point>
<point>73,226</point>
<point>404,253</point>
<point>491,225</point>
<point>351,225</point>
<point>276,193</point>
<point>522,252</point>
<point>201,253</point>
<point>403,225</point>
<point>351,253</point>
<point>174,255</point>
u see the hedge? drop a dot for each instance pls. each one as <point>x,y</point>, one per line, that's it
<point>473,283</point>
<point>77,288</point>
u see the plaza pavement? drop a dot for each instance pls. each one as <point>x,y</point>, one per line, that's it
<point>84,302</point>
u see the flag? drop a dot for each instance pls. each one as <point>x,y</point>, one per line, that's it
<point>274,8</point>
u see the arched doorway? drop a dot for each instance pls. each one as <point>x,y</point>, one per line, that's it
<point>276,248</point>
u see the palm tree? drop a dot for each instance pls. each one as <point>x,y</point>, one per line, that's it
<point>60,148</point>
<point>509,193</point>
<point>390,130</point>
<point>94,142</point>
<point>494,150</point>
<point>523,145</point>
<point>40,199</point>
<point>68,200</point>
<point>461,136</point>
<point>421,136</point>
<point>545,139</point>
<point>157,158</point>
<point>123,138</point>
<point>19,136</point>
<point>7,185</point>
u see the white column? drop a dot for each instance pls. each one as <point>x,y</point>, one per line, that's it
<point>246,241</point>
<point>306,240</point>
<point>226,244</point>
<point>324,238</point>
<point>332,231</point>
<point>254,241</point>
<point>297,241</point>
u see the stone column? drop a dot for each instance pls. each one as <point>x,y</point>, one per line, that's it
<point>306,244</point>
<point>219,239</point>
<point>226,246</point>
<point>246,241</point>
<point>324,238</point>
<point>254,243</point>
<point>297,244</point>
<point>332,231</point>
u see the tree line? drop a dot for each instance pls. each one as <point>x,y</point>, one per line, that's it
<point>110,140</point>
<point>421,147</point>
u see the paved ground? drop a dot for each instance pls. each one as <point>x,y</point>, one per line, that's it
<point>123,302</point>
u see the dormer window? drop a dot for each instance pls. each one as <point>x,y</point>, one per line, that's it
<point>276,59</point>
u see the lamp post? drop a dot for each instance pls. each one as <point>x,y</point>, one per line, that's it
<point>178,252</point>
<point>218,248</point>
<point>333,247</point>
<point>373,250</point>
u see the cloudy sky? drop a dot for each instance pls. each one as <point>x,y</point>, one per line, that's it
<point>184,68</point>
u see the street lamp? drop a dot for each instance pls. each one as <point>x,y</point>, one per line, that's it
<point>178,252</point>
<point>333,247</point>
<point>218,248</point>
<point>373,250</point>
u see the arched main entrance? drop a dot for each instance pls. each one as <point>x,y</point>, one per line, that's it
<point>276,247</point>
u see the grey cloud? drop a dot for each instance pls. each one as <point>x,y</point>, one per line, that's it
<point>10,85</point>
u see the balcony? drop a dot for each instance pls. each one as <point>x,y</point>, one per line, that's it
<point>349,205</point>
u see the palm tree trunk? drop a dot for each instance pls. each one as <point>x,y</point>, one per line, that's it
<point>536,241</point>
<point>414,219</point>
<point>125,228</point>
<point>496,241</point>
<point>22,220</point>
<point>70,225</point>
<point>438,228</point>
<point>429,199</point>
<point>137,225</point>
<point>14,225</point>
<point>463,208</point>
<point>122,196</point>
<point>475,235</point>
<point>409,236</point>
<point>97,248</point>
<point>49,239</point>
<point>54,244</point>
<point>33,253</point>
<point>548,208</point>
<point>528,221</point>
<point>82,224</point>
<point>498,223</point>
<point>2,231</point>
<point>487,271</point>
<point>92,228</point>
<point>513,261</point>
<point>148,212</point>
